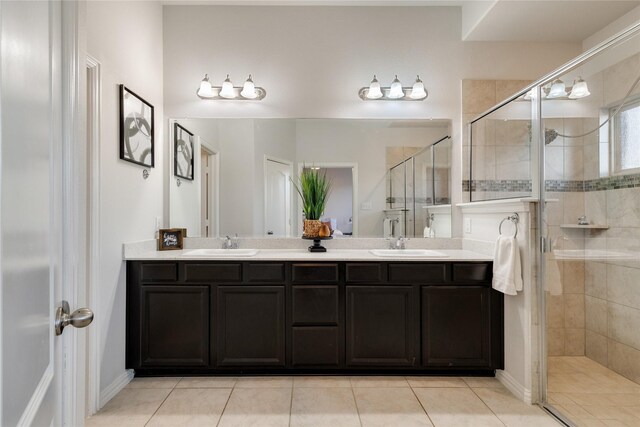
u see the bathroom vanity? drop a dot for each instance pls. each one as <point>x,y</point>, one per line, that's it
<point>341,313</point>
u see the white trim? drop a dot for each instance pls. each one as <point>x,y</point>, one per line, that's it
<point>289,163</point>
<point>116,386</point>
<point>94,99</point>
<point>498,206</point>
<point>354,174</point>
<point>36,398</point>
<point>514,386</point>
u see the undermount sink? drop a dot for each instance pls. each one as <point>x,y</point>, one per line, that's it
<point>230,253</point>
<point>408,253</point>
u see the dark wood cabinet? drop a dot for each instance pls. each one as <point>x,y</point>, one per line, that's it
<point>381,325</point>
<point>456,326</point>
<point>233,317</point>
<point>174,326</point>
<point>251,326</point>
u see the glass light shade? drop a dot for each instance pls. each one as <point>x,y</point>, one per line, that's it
<point>249,89</point>
<point>205,90</point>
<point>417,91</point>
<point>374,91</point>
<point>557,90</point>
<point>396,91</point>
<point>579,89</point>
<point>227,89</point>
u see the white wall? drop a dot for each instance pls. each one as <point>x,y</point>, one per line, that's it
<point>313,60</point>
<point>126,38</point>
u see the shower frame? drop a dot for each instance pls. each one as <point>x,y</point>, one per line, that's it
<point>539,192</point>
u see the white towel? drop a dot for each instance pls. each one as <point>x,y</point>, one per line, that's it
<point>507,270</point>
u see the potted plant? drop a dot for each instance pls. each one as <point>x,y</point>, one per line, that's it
<point>313,189</point>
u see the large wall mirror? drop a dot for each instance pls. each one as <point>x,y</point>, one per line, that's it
<point>389,177</point>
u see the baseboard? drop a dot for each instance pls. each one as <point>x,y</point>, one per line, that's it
<point>115,387</point>
<point>514,386</point>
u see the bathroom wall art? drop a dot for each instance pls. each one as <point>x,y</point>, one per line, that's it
<point>182,152</point>
<point>136,129</point>
<point>170,239</point>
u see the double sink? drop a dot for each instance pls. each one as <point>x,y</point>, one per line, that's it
<point>248,253</point>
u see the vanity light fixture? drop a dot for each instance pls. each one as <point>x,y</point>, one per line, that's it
<point>248,92</point>
<point>559,91</point>
<point>395,92</point>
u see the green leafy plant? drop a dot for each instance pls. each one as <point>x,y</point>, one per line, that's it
<point>314,189</point>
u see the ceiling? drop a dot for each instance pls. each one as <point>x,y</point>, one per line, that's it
<point>491,20</point>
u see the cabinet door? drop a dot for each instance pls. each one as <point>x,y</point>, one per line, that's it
<point>251,326</point>
<point>456,326</point>
<point>174,325</point>
<point>381,326</point>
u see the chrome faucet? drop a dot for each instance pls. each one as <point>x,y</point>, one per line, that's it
<point>398,244</point>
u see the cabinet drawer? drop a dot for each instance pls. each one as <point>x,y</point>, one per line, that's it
<point>315,304</point>
<point>470,272</point>
<point>315,346</point>
<point>158,272</point>
<point>314,273</point>
<point>265,272</point>
<point>213,273</point>
<point>364,273</point>
<point>426,273</point>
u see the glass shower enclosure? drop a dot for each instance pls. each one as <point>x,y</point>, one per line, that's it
<point>572,141</point>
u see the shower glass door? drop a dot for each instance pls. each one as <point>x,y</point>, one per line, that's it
<point>590,219</point>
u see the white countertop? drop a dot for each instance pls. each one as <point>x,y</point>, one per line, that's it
<point>305,255</point>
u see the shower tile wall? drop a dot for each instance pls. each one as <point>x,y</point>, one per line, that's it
<point>598,312</point>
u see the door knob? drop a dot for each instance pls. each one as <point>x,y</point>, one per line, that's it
<point>80,318</point>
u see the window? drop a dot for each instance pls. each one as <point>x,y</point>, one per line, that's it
<point>626,138</point>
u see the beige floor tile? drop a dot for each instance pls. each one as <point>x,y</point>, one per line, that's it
<point>390,407</point>
<point>264,407</point>
<point>588,422</point>
<point>191,407</point>
<point>559,399</point>
<point>436,382</point>
<point>316,407</point>
<point>129,408</point>
<point>573,411</point>
<point>605,412</point>
<point>379,382</point>
<point>268,382</point>
<point>514,412</point>
<point>482,382</point>
<point>207,382</point>
<point>455,407</point>
<point>154,382</point>
<point>320,381</point>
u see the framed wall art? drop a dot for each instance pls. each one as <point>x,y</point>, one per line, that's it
<point>136,129</point>
<point>182,152</point>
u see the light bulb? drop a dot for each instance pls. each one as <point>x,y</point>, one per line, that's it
<point>557,90</point>
<point>396,91</point>
<point>205,90</point>
<point>374,91</point>
<point>579,89</point>
<point>249,89</point>
<point>417,91</point>
<point>227,89</point>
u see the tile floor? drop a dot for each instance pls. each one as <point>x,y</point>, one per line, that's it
<point>590,394</point>
<point>318,401</point>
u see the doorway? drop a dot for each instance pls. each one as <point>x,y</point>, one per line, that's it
<point>277,197</point>
<point>207,165</point>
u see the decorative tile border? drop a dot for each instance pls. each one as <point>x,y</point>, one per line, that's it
<point>558,186</point>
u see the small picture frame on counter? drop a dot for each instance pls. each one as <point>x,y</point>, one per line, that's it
<point>170,239</point>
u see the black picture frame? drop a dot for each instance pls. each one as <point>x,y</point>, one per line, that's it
<point>137,126</point>
<point>181,160</point>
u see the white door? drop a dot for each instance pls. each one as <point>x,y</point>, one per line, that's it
<point>30,215</point>
<point>205,193</point>
<point>277,198</point>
